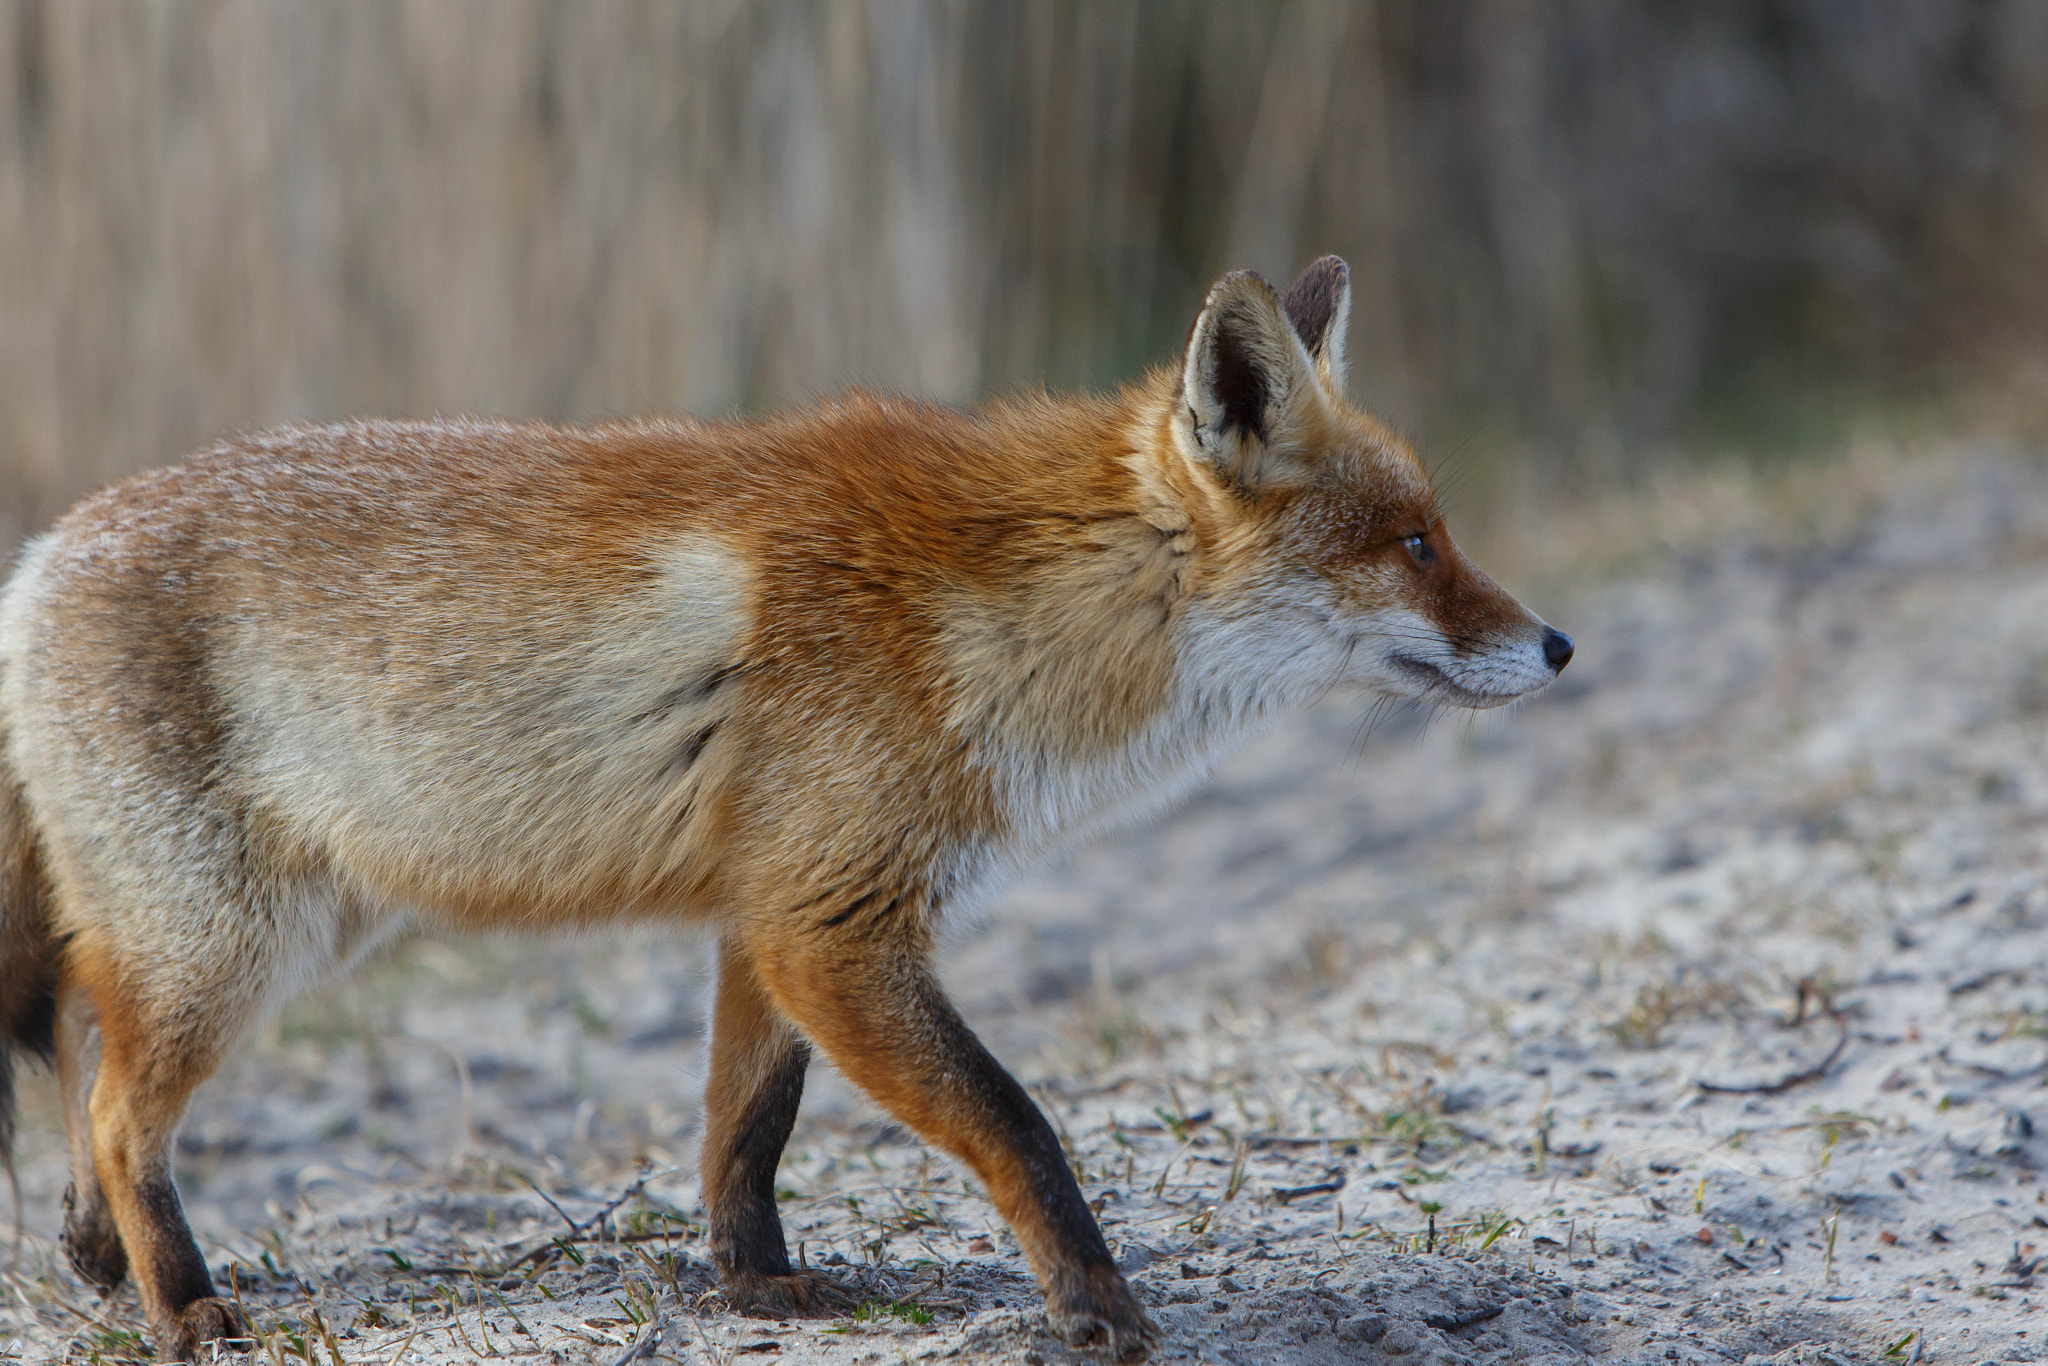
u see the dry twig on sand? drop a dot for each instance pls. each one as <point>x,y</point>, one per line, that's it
<point>580,1230</point>
<point>1807,991</point>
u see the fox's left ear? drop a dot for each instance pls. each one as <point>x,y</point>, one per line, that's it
<point>1319,305</point>
<point>1250,392</point>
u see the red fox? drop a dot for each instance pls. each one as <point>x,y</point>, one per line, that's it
<point>821,679</point>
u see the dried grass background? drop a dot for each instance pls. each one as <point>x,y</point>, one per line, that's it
<point>1590,230</point>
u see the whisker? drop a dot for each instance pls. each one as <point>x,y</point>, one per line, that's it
<point>1382,707</point>
<point>1449,473</point>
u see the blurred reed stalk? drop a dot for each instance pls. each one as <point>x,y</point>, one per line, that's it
<point>1584,228</point>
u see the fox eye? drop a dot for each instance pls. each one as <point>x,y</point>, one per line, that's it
<point>1418,545</point>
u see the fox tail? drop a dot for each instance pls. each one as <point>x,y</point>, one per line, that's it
<point>28,958</point>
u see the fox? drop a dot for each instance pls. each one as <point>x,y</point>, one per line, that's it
<point>819,682</point>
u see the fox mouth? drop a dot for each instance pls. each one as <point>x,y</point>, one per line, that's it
<point>1438,686</point>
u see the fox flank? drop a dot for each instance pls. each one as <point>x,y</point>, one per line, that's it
<point>819,680</point>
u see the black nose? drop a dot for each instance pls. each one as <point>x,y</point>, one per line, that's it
<point>1557,649</point>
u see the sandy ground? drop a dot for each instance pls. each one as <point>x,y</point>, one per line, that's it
<point>1695,1012</point>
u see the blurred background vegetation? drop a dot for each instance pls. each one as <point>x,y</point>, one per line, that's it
<point>1589,232</point>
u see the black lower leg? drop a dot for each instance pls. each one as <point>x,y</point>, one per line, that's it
<point>177,1291</point>
<point>746,1231</point>
<point>176,1267</point>
<point>1070,1240</point>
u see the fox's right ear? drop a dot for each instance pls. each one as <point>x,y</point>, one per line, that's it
<point>1247,386</point>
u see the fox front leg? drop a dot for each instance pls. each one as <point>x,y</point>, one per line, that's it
<point>757,1079</point>
<point>878,1012</point>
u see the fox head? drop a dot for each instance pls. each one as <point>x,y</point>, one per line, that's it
<point>1332,513</point>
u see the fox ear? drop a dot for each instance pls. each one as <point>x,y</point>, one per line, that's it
<point>1319,305</point>
<point>1247,385</point>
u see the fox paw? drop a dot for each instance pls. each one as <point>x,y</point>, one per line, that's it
<point>1102,1313</point>
<point>91,1242</point>
<point>800,1295</point>
<point>212,1319</point>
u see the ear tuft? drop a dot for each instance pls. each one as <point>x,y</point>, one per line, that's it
<point>1318,303</point>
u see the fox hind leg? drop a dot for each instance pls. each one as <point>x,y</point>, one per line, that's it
<point>157,1044</point>
<point>90,1239</point>
<point>758,1062</point>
